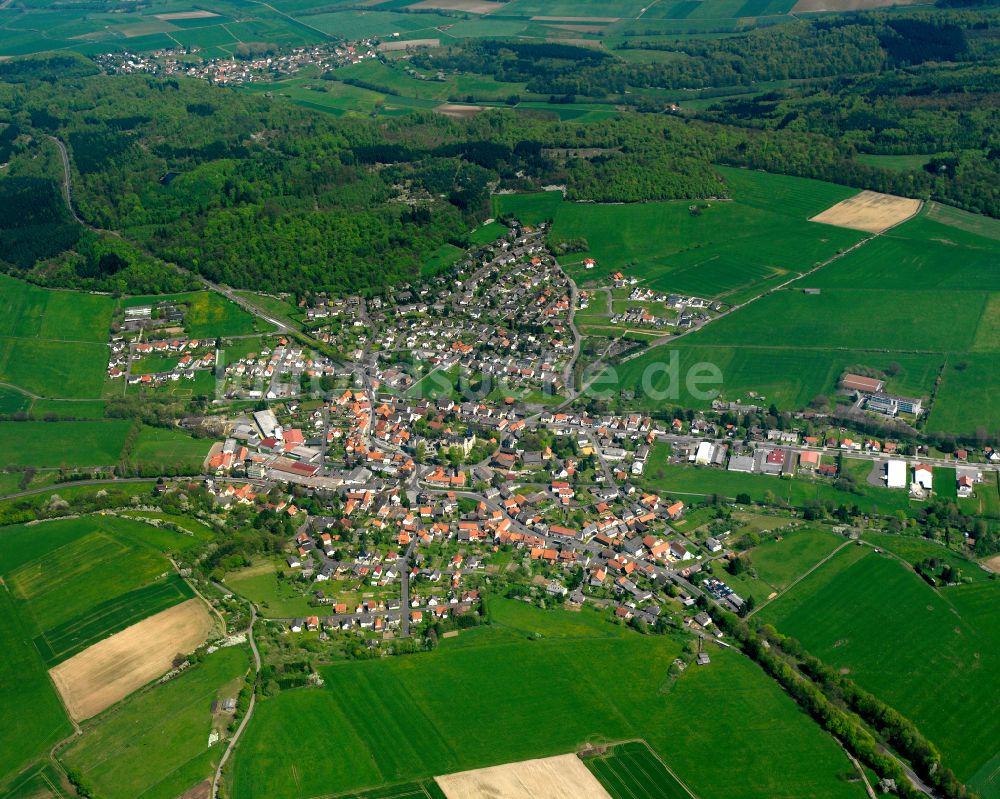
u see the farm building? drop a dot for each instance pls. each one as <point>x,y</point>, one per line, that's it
<point>866,385</point>
<point>895,473</point>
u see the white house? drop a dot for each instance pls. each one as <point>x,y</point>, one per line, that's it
<point>703,456</point>
<point>923,476</point>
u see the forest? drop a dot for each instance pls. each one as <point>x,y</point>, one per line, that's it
<point>255,192</point>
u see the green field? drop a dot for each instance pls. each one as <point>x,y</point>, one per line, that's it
<point>681,480</point>
<point>758,238</point>
<point>107,618</point>
<point>42,781</point>
<point>529,209</point>
<point>580,680</point>
<point>780,561</point>
<point>69,444</point>
<point>83,578</point>
<point>155,744</point>
<point>67,409</point>
<point>33,717</point>
<point>919,297</point>
<point>170,450</point>
<point>633,771</point>
<point>933,655</point>
<point>53,343</point>
<point>208,314</point>
<point>915,549</point>
<point>275,597</point>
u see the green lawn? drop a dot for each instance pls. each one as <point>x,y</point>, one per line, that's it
<point>933,655</point>
<point>155,745</point>
<point>33,717</point>
<point>69,444</point>
<point>493,695</point>
<point>529,209</point>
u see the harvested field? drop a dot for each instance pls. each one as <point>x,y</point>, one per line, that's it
<point>849,5</point>
<point>113,668</point>
<point>186,15</point>
<point>407,44</point>
<point>561,777</point>
<point>458,111</point>
<point>467,6</point>
<point>869,211</point>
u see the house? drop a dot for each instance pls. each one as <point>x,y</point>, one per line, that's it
<point>809,460</point>
<point>965,487</point>
<point>679,552</point>
<point>703,455</point>
<point>713,544</point>
<point>923,476</point>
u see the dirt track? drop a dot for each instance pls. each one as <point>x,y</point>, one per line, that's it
<point>869,211</point>
<point>113,668</point>
<point>561,777</point>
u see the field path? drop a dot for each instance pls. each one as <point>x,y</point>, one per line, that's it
<point>217,777</point>
<point>667,339</point>
<point>798,579</point>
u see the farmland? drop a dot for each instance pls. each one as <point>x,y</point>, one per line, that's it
<point>450,703</point>
<point>52,343</point>
<point>633,771</point>
<point>724,251</point>
<point>260,584</point>
<point>911,645</point>
<point>154,745</point>
<point>70,444</point>
<point>790,346</point>
<point>66,580</point>
<point>33,717</point>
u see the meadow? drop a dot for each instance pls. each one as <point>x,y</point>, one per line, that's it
<point>967,400</point>
<point>276,598</point>
<point>785,375</point>
<point>854,320</point>
<point>62,444</point>
<point>33,716</point>
<point>170,449</point>
<point>53,343</point>
<point>683,481</point>
<point>915,549</point>
<point>780,561</point>
<point>402,719</point>
<point>731,250</point>
<point>932,654</point>
<point>155,744</point>
<point>207,314</point>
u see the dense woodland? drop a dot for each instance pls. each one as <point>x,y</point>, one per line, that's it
<point>257,193</point>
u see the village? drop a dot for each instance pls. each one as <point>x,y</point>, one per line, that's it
<point>431,495</point>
